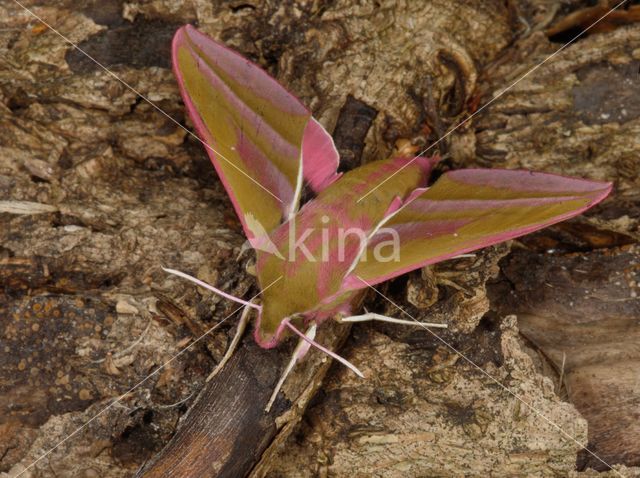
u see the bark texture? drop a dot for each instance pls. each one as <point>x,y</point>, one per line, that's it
<point>99,189</point>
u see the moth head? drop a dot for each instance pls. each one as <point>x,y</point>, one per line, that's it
<point>269,333</point>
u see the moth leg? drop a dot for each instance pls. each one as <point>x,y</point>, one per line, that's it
<point>371,316</point>
<point>300,351</point>
<point>325,350</point>
<point>242,326</point>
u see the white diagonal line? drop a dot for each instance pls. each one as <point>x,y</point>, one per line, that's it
<point>492,378</point>
<point>113,75</point>
<point>495,98</point>
<point>82,427</point>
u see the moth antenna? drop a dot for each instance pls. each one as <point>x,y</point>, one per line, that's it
<point>212,289</point>
<point>331,354</point>
<point>299,352</point>
<point>371,316</point>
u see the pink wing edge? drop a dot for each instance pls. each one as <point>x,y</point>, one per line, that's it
<point>601,190</point>
<point>319,154</point>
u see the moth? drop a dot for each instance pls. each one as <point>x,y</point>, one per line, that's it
<point>360,228</point>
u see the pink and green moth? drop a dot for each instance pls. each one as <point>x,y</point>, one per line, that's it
<point>313,259</point>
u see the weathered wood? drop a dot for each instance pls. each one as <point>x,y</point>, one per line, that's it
<point>575,291</point>
<point>581,310</point>
<point>352,126</point>
<point>226,430</point>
